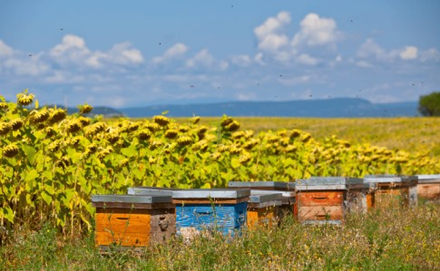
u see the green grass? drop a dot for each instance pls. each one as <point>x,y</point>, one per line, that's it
<point>382,240</point>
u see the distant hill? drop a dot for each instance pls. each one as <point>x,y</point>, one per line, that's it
<point>325,108</point>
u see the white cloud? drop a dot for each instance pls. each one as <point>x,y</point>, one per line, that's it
<point>63,77</point>
<point>295,80</point>
<point>278,46</point>
<point>410,52</point>
<point>204,59</point>
<point>245,96</point>
<point>73,51</point>
<point>123,54</point>
<point>430,55</point>
<point>241,60</point>
<point>316,31</point>
<point>175,51</point>
<point>272,24</point>
<point>363,64</point>
<point>268,33</point>
<point>259,58</point>
<point>307,60</point>
<point>5,50</point>
<point>371,49</point>
<point>273,42</point>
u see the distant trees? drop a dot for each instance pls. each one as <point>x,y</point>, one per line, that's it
<point>429,105</point>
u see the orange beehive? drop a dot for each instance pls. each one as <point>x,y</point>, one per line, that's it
<point>393,191</point>
<point>133,221</point>
<point>429,187</point>
<point>321,200</point>
<point>263,208</point>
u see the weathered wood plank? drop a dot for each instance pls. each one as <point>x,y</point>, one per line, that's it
<point>320,213</point>
<point>395,197</point>
<point>122,223</point>
<point>124,239</point>
<point>133,206</point>
<point>261,216</point>
<point>321,198</point>
<point>357,201</point>
<point>370,201</point>
<point>163,225</point>
<point>429,191</point>
<point>225,218</point>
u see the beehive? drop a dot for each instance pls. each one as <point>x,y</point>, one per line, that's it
<point>286,189</point>
<point>428,186</point>
<point>360,195</point>
<point>223,210</point>
<point>393,190</point>
<point>263,208</point>
<point>133,221</point>
<point>321,200</point>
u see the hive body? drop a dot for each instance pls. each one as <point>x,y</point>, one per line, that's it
<point>429,187</point>
<point>126,221</point>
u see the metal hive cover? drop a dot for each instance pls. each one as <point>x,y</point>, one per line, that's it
<point>150,191</point>
<point>258,197</point>
<point>433,178</point>
<point>321,183</point>
<point>131,199</point>
<point>229,193</point>
<point>287,194</point>
<point>262,184</point>
<point>383,178</point>
<point>211,193</point>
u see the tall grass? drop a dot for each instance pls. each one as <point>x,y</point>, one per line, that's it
<point>400,239</point>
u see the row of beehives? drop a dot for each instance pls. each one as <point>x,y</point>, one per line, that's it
<point>149,215</point>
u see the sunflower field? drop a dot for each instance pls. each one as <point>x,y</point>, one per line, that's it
<point>51,162</point>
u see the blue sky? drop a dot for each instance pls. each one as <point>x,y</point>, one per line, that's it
<point>135,53</point>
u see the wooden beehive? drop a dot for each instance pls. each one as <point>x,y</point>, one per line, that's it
<point>133,221</point>
<point>428,186</point>
<point>263,208</point>
<point>393,190</point>
<point>321,200</point>
<point>287,191</point>
<point>360,195</point>
<point>197,210</point>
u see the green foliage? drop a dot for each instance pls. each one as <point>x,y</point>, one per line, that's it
<point>52,163</point>
<point>429,105</point>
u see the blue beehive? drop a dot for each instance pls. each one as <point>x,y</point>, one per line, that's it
<point>224,210</point>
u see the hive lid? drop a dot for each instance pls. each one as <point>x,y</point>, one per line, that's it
<point>219,193</point>
<point>260,184</point>
<point>388,178</point>
<point>260,197</point>
<point>432,178</point>
<point>131,199</point>
<point>150,191</point>
<point>322,183</point>
<point>286,194</point>
<point>211,193</point>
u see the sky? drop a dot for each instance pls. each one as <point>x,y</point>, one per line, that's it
<point>140,53</point>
